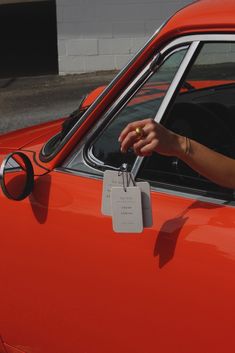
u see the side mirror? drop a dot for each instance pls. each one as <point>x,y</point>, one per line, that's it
<point>16,176</point>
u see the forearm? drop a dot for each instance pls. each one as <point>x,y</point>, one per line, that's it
<point>214,166</point>
<point>155,137</point>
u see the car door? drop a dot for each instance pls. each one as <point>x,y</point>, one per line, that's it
<point>69,283</point>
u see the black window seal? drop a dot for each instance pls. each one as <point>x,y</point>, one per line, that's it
<point>191,191</point>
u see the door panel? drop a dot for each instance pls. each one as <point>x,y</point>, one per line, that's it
<point>69,284</point>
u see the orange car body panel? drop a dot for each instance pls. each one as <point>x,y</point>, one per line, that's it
<point>20,138</point>
<point>79,287</point>
<point>70,284</point>
<point>92,96</point>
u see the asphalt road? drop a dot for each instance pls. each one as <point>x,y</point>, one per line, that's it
<point>29,101</point>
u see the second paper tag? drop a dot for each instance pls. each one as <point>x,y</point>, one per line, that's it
<point>126,208</point>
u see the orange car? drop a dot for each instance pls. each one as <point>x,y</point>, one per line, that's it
<point>69,282</point>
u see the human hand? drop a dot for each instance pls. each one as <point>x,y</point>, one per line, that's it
<point>153,137</point>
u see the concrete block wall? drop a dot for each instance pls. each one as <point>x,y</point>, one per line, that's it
<point>96,35</point>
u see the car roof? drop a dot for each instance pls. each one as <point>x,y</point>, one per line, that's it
<point>202,16</point>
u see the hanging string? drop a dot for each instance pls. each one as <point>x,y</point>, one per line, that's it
<point>127,177</point>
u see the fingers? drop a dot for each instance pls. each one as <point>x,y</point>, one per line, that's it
<point>130,135</point>
<point>148,149</point>
<point>131,127</point>
<point>149,137</point>
<point>146,146</point>
<point>128,141</point>
<point>144,142</point>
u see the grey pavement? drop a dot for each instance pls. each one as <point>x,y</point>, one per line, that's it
<point>32,100</point>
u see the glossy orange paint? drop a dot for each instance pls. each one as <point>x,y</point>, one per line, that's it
<point>18,139</point>
<point>82,288</point>
<point>92,96</point>
<point>70,284</point>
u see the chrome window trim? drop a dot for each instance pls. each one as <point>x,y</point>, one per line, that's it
<point>184,40</point>
<point>170,92</point>
<point>202,38</point>
<point>190,52</point>
<point>197,39</point>
<point>83,143</point>
<point>184,194</point>
<point>139,77</point>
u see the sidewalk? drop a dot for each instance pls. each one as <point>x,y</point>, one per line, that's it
<point>31,100</point>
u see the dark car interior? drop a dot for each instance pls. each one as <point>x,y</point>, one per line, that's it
<point>207,116</point>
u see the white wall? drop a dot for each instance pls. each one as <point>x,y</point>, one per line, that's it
<point>96,35</point>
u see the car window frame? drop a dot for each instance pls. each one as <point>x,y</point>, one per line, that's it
<point>166,103</point>
<point>103,121</point>
<point>158,60</point>
<point>195,41</point>
<point>184,191</point>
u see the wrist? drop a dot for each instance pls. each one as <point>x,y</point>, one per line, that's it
<point>182,146</point>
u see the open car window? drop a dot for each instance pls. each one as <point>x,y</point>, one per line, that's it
<point>144,104</point>
<point>205,112</point>
<point>105,149</point>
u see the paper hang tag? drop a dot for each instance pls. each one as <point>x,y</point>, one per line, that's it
<point>146,201</point>
<point>111,179</point>
<point>126,209</point>
<point>114,179</point>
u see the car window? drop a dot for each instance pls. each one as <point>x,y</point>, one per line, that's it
<point>144,104</point>
<point>204,110</point>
